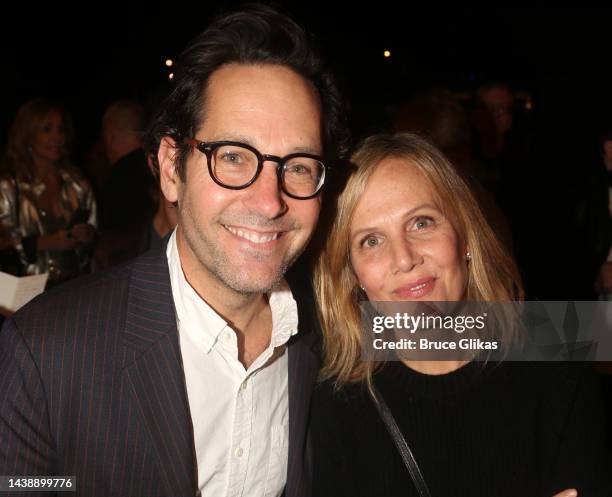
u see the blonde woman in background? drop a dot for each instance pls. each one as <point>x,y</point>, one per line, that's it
<point>47,208</point>
<point>408,229</point>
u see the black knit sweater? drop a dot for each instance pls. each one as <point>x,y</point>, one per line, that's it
<point>512,429</point>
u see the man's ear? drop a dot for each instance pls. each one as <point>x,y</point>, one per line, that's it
<point>168,174</point>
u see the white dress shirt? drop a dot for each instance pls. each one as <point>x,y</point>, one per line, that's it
<point>240,416</point>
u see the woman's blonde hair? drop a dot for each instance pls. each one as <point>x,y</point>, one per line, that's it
<point>492,273</point>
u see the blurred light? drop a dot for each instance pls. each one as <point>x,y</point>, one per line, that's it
<point>528,104</point>
<point>171,75</point>
<point>169,62</point>
<point>387,54</point>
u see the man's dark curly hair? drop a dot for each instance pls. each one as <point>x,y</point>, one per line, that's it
<point>256,34</point>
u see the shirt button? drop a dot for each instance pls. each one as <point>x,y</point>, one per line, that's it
<point>238,452</point>
<point>227,336</point>
<point>244,385</point>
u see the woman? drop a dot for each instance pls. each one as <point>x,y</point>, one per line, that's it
<point>47,209</point>
<point>408,229</point>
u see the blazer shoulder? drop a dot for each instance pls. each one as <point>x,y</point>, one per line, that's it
<point>97,295</point>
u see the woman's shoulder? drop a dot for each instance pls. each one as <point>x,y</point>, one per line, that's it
<point>547,375</point>
<point>339,412</point>
<point>7,184</point>
<point>550,386</point>
<point>329,394</point>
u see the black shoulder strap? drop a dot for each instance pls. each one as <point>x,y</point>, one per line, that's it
<point>401,444</point>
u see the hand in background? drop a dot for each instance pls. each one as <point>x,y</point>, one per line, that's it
<point>83,233</point>
<point>60,240</point>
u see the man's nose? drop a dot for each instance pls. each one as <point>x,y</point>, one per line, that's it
<point>265,194</point>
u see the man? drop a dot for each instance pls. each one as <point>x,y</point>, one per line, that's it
<point>495,138</point>
<point>498,100</point>
<point>127,199</point>
<point>190,370</point>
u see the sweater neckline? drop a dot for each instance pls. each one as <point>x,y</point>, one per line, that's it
<point>397,377</point>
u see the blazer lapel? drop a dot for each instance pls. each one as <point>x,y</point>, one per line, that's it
<point>154,370</point>
<point>304,362</point>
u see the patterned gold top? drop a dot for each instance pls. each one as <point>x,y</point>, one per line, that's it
<point>22,201</point>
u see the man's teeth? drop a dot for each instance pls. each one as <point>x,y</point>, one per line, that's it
<point>252,236</point>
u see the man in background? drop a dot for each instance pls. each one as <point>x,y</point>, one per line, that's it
<point>127,202</point>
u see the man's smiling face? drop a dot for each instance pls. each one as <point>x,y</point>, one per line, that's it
<point>246,239</point>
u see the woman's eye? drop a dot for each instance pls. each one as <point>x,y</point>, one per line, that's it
<point>369,242</point>
<point>423,222</point>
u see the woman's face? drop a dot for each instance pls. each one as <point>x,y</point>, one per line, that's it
<point>50,138</point>
<point>402,246</point>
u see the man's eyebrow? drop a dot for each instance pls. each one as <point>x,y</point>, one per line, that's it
<point>307,150</point>
<point>248,141</point>
<point>229,137</point>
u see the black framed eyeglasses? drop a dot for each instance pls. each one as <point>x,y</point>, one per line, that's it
<point>236,165</point>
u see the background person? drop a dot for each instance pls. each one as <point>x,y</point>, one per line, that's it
<point>47,208</point>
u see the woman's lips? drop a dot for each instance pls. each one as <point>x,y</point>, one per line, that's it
<point>416,289</point>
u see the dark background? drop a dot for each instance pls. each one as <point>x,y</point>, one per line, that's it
<point>558,59</point>
<point>91,54</point>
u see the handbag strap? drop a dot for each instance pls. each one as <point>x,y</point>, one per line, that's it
<point>401,444</point>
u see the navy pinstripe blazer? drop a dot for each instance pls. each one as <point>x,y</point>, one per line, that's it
<point>92,385</point>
